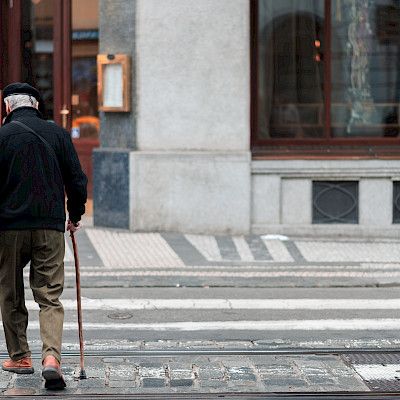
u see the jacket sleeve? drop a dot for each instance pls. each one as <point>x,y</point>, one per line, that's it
<point>75,181</point>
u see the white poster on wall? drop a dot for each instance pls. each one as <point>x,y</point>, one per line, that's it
<point>113,85</point>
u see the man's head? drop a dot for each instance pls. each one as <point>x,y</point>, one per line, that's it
<point>20,95</point>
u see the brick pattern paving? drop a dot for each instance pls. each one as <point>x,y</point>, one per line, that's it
<point>120,249</point>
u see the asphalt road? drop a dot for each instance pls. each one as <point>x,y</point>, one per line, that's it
<point>284,317</point>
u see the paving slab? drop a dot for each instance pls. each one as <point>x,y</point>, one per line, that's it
<point>265,373</point>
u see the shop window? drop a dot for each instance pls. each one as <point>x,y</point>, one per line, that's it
<point>325,74</point>
<point>85,47</point>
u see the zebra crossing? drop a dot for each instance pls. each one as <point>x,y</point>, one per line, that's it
<point>127,249</point>
<point>121,258</point>
<point>174,291</point>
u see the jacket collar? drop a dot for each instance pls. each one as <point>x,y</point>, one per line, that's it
<point>22,112</point>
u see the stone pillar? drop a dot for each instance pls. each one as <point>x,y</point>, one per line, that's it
<point>118,130</point>
<point>181,160</point>
<point>191,170</point>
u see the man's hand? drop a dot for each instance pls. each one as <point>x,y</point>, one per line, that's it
<point>73,226</point>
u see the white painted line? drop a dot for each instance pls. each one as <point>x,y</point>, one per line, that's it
<point>378,371</point>
<point>206,245</point>
<point>243,248</point>
<point>229,304</point>
<point>278,251</point>
<point>271,267</point>
<point>284,325</point>
<point>241,274</point>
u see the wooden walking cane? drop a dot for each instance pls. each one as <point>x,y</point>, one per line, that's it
<point>82,374</point>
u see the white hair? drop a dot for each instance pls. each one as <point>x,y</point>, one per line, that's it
<point>21,100</point>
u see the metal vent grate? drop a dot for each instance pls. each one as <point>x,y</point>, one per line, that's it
<point>385,373</point>
<point>396,202</point>
<point>335,202</point>
<point>372,358</point>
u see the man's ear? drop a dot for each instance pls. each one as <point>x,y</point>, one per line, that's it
<point>8,109</point>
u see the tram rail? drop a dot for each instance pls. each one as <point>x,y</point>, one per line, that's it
<point>219,352</point>
<point>226,396</point>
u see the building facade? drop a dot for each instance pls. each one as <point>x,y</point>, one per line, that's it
<point>246,116</point>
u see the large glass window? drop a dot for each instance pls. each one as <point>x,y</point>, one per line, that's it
<point>326,71</point>
<point>38,49</point>
<point>85,46</point>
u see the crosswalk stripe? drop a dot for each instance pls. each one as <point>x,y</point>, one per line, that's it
<point>241,274</point>
<point>243,248</point>
<point>237,304</point>
<point>277,325</point>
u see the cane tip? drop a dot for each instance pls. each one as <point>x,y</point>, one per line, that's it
<point>82,375</point>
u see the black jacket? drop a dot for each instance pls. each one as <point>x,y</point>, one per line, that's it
<point>31,188</point>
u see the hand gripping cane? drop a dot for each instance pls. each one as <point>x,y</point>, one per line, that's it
<point>82,374</point>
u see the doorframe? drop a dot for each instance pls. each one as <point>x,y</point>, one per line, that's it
<point>62,80</point>
<point>11,51</point>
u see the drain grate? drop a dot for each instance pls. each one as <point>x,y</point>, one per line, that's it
<point>372,358</point>
<point>383,385</point>
<point>380,371</point>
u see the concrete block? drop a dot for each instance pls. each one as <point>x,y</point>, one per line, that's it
<point>153,382</point>
<point>266,199</point>
<point>376,202</point>
<point>111,188</point>
<point>296,201</point>
<point>181,382</point>
<point>192,192</point>
<point>117,35</point>
<point>193,75</point>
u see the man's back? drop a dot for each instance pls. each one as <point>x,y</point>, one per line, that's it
<point>32,181</point>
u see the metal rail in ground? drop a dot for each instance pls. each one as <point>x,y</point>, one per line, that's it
<point>217,352</point>
<point>226,396</point>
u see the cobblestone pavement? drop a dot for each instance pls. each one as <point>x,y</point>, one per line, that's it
<point>301,373</point>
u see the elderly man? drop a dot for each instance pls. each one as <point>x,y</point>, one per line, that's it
<point>38,165</point>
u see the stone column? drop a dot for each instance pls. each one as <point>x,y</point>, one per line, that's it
<point>191,170</point>
<point>181,160</point>
<point>118,130</point>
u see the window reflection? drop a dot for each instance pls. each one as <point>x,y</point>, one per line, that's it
<point>294,57</point>
<point>365,62</point>
<point>290,71</point>
<point>38,49</point>
<point>85,23</point>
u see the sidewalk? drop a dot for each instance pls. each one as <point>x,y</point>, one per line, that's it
<point>113,258</point>
<point>122,259</point>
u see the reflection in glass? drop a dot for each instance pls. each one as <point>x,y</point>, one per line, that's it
<point>290,68</point>
<point>365,63</point>
<point>37,49</point>
<point>85,34</point>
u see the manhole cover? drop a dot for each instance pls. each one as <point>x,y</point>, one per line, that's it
<point>120,315</point>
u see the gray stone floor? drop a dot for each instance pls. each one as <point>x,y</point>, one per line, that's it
<point>285,373</point>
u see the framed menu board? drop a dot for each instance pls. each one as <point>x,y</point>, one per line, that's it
<point>113,84</point>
